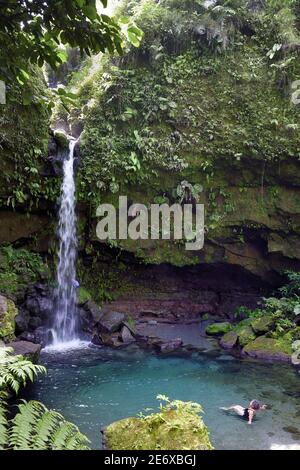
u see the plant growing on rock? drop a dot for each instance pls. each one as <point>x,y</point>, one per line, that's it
<point>177,425</point>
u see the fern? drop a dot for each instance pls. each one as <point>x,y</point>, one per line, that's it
<point>37,428</point>
<point>3,425</point>
<point>15,371</point>
<point>34,427</point>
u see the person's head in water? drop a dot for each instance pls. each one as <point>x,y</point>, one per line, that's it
<point>254,405</point>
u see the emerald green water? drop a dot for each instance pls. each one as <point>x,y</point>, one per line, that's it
<point>94,387</point>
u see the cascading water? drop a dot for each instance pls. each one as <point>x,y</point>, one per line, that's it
<point>64,327</point>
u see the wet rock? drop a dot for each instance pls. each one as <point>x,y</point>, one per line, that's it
<point>104,339</point>
<point>126,335</point>
<point>97,340</point>
<point>21,321</point>
<point>217,329</point>
<point>94,310</point>
<point>229,340</point>
<point>89,314</point>
<point>39,304</point>
<point>268,349</point>
<point>170,346</point>
<point>262,325</point>
<point>25,348</point>
<point>34,322</point>
<point>42,335</point>
<point>111,322</point>
<point>61,139</point>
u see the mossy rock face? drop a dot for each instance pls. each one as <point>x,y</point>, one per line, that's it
<point>262,325</point>
<point>8,311</point>
<point>245,332</point>
<point>269,349</point>
<point>167,430</point>
<point>229,340</point>
<point>61,139</point>
<point>217,329</point>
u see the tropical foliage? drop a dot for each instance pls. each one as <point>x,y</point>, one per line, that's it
<point>34,426</point>
<point>36,32</point>
<point>282,310</point>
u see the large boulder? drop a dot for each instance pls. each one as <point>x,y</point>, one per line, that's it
<point>39,305</point>
<point>262,325</point>
<point>105,339</point>
<point>229,340</point>
<point>27,349</point>
<point>8,312</point>
<point>90,314</point>
<point>172,428</point>
<point>126,335</point>
<point>244,332</point>
<point>111,322</point>
<point>217,329</point>
<point>268,349</point>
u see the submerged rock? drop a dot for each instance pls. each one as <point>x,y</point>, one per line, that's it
<point>27,349</point>
<point>218,328</point>
<point>268,349</point>
<point>229,340</point>
<point>8,312</point>
<point>170,346</point>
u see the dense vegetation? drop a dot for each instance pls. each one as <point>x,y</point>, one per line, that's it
<point>33,427</point>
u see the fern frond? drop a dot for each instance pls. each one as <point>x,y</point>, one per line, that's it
<point>3,425</point>
<point>15,371</point>
<point>37,428</point>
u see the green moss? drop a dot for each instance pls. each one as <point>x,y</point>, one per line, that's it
<point>174,427</point>
<point>269,348</point>
<point>8,311</point>
<point>218,328</point>
<point>245,332</point>
<point>263,324</point>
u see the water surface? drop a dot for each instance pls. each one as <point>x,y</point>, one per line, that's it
<point>94,387</point>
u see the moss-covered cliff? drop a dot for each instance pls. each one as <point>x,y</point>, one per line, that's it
<point>204,104</point>
<point>205,100</point>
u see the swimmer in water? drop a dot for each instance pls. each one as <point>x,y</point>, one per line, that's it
<point>246,413</point>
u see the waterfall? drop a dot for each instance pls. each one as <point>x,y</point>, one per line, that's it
<point>64,327</point>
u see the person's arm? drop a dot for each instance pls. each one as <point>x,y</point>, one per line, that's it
<point>251,415</point>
